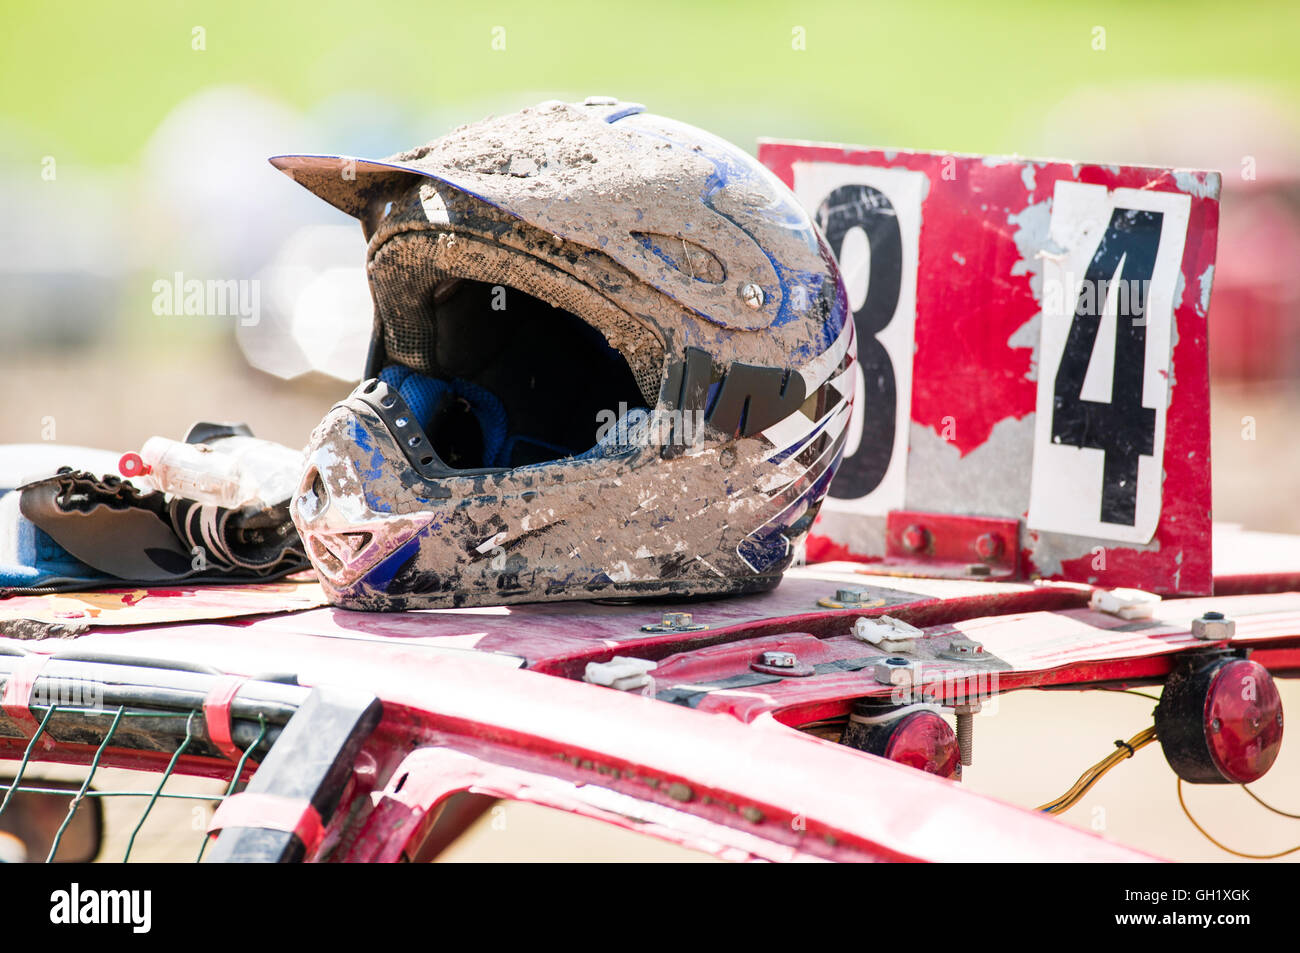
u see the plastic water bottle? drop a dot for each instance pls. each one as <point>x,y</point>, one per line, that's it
<point>232,472</point>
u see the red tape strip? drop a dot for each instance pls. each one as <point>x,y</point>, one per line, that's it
<point>18,693</point>
<point>273,812</point>
<point>216,714</point>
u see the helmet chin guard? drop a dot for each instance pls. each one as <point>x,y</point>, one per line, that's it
<point>611,358</point>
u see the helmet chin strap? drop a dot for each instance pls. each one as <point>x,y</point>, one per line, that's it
<point>427,395</point>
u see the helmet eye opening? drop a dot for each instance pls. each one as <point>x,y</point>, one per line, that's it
<point>499,378</point>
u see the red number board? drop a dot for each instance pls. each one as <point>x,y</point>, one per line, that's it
<point>1032,339</point>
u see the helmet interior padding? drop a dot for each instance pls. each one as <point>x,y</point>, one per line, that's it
<point>411,261</point>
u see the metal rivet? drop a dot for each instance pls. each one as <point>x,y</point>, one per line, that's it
<point>752,295</point>
<point>915,538</point>
<point>989,546</point>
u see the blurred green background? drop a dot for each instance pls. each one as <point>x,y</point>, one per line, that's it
<point>92,81</point>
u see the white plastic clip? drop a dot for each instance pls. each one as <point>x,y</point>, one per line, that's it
<point>886,632</point>
<point>1125,603</point>
<point>621,672</point>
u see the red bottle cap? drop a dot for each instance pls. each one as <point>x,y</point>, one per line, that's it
<point>132,465</point>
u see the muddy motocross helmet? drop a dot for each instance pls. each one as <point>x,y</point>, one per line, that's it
<point>612,358</point>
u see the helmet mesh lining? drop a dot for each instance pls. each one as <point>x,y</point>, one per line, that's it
<point>405,270</point>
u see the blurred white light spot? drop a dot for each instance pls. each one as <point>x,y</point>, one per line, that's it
<point>316,309</point>
<point>331,322</point>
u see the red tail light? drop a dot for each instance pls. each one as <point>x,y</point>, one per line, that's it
<point>924,740</point>
<point>1243,721</point>
<point>1220,721</point>
<point>921,739</point>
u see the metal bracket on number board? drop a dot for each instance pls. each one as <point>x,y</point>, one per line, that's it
<point>951,546</point>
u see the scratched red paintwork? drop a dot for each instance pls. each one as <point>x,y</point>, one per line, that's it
<point>452,689</point>
<point>965,312</point>
<point>1039,649</point>
<point>554,638</point>
<point>113,607</point>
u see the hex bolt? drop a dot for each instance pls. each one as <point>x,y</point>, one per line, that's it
<point>916,538</point>
<point>894,670</point>
<point>674,622</point>
<point>965,739</point>
<point>779,659</point>
<point>1214,627</point>
<point>962,649</point>
<point>966,731</point>
<point>989,546</point>
<point>849,597</point>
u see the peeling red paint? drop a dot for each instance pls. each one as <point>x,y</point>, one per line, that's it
<point>820,549</point>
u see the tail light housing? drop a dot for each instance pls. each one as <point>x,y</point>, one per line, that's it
<point>919,739</point>
<point>1219,720</point>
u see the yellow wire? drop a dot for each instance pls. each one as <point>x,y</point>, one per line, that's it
<point>1269,807</point>
<point>1123,751</point>
<point>1208,837</point>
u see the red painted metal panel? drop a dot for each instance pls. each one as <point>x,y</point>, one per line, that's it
<point>1077,647</point>
<point>826,800</point>
<point>559,638</point>
<point>951,545</point>
<point>727,773</point>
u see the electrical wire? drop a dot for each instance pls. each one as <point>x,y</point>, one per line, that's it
<point>1134,691</point>
<point>1269,807</point>
<point>1209,837</point>
<point>1123,751</point>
